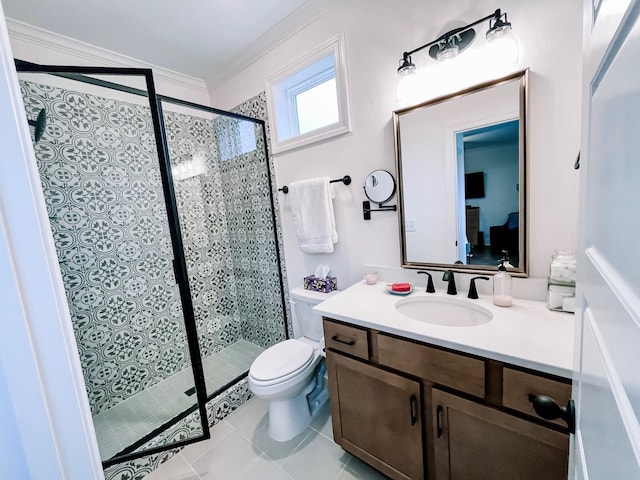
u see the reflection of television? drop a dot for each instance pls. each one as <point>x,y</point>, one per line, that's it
<point>474,185</point>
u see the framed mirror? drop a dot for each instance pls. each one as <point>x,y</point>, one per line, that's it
<point>379,186</point>
<point>461,165</point>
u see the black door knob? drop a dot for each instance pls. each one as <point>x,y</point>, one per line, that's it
<point>548,409</point>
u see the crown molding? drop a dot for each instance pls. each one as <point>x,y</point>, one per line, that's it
<point>288,27</point>
<point>86,54</point>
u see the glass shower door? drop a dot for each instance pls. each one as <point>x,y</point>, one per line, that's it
<point>105,180</point>
<point>220,174</point>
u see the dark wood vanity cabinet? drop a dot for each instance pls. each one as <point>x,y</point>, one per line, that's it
<point>417,411</point>
<point>475,441</point>
<point>380,416</point>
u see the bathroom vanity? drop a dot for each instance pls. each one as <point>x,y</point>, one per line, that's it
<point>417,400</point>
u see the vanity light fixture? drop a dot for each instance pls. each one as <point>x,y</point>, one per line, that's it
<point>449,45</point>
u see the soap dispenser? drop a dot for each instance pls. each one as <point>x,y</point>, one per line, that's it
<point>502,286</point>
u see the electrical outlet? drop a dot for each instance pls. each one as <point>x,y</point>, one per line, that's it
<point>410,226</point>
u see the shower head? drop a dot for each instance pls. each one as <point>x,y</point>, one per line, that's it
<point>39,124</point>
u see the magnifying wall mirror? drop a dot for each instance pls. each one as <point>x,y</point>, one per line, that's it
<point>461,163</point>
<point>379,187</point>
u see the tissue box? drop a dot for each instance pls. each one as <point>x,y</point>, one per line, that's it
<point>324,285</point>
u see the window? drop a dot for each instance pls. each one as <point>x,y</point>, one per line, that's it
<point>308,100</point>
<point>317,106</point>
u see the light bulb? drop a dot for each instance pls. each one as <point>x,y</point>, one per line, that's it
<point>408,86</point>
<point>448,53</point>
<point>502,48</point>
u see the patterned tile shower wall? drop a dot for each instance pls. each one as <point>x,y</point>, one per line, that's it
<point>100,177</point>
<point>227,222</point>
<point>205,231</point>
<point>101,183</point>
<point>250,216</point>
<point>263,324</point>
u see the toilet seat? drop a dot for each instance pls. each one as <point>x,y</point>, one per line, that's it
<point>281,362</point>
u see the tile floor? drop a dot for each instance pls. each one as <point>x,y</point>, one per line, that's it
<point>240,448</point>
<point>135,417</point>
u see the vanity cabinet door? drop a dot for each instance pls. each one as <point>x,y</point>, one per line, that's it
<point>377,416</point>
<point>476,441</point>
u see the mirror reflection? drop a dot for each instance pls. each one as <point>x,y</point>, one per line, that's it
<point>379,186</point>
<point>461,172</point>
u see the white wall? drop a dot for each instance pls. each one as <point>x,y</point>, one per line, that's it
<point>377,32</point>
<point>51,433</point>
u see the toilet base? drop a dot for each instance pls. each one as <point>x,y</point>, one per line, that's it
<point>288,418</point>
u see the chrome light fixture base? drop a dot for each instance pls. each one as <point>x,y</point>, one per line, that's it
<point>454,42</point>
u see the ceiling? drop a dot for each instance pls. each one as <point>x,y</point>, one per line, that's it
<point>505,132</point>
<point>207,39</point>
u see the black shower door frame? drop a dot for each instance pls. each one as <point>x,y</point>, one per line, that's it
<point>263,128</point>
<point>179,262</point>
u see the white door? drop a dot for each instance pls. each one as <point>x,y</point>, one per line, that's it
<point>46,431</point>
<point>607,382</point>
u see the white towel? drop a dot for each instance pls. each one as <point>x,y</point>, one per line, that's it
<point>312,208</point>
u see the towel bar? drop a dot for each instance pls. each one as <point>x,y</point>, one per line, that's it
<point>346,180</point>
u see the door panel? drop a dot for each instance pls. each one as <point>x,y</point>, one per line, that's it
<point>609,454</point>
<point>618,331</point>
<point>606,384</point>
<point>479,442</point>
<point>380,414</point>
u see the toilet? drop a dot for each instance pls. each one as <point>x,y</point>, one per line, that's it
<point>290,374</point>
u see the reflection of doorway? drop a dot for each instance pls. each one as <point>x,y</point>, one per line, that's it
<point>488,186</point>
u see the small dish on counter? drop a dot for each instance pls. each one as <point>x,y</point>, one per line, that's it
<point>390,289</point>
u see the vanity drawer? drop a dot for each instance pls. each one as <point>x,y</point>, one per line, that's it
<point>448,369</point>
<point>517,386</point>
<point>346,338</point>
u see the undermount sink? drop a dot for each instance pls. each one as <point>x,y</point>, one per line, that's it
<point>449,312</point>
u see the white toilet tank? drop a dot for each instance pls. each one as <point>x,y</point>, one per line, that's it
<point>307,323</point>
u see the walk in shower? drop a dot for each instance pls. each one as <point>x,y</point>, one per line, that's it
<point>162,216</point>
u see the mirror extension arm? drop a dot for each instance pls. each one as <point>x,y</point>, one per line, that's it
<point>366,209</point>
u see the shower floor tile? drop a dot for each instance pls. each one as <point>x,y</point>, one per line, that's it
<point>137,416</point>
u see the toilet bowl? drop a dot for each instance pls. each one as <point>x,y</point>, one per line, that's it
<point>290,373</point>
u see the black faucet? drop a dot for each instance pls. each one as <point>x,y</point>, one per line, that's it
<point>430,287</point>
<point>451,287</point>
<point>473,293</point>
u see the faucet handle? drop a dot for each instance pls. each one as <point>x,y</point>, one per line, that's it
<point>451,285</point>
<point>473,292</point>
<point>430,287</point>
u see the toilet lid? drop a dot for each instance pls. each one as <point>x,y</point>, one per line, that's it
<point>281,360</point>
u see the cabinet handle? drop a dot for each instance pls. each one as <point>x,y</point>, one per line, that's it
<point>548,409</point>
<point>339,340</point>
<point>413,409</point>
<point>439,421</point>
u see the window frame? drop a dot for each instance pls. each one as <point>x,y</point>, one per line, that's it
<point>281,98</point>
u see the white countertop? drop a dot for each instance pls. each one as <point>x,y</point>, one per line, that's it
<point>526,334</point>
